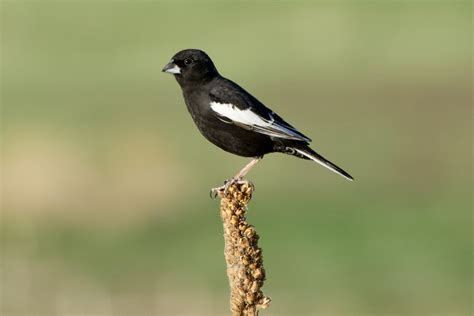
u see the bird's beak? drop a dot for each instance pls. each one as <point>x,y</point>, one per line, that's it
<point>171,68</point>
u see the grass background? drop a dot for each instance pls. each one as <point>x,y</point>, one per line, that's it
<point>105,179</point>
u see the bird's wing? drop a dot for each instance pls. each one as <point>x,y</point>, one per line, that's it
<point>232,104</point>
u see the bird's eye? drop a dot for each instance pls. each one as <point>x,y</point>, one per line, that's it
<point>188,61</point>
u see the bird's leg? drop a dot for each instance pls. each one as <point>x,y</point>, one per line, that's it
<point>242,173</point>
<point>237,178</point>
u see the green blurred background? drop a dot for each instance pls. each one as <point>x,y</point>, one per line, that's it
<point>105,179</point>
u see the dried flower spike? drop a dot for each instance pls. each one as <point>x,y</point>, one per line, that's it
<point>243,256</point>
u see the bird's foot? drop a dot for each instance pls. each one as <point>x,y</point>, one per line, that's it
<point>223,190</point>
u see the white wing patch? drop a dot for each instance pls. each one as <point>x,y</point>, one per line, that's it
<point>246,117</point>
<point>254,121</point>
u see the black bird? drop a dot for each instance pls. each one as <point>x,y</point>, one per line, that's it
<point>233,119</point>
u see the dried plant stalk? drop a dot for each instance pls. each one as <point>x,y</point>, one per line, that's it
<point>242,254</point>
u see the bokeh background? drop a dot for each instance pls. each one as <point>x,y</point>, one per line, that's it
<point>105,179</point>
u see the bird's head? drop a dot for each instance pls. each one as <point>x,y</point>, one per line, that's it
<point>191,65</point>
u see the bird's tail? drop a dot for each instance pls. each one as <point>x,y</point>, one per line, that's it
<point>307,153</point>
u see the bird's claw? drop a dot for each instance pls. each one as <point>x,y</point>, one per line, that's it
<point>223,190</point>
<point>214,193</point>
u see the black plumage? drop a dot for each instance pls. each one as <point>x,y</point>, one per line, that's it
<point>231,118</point>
